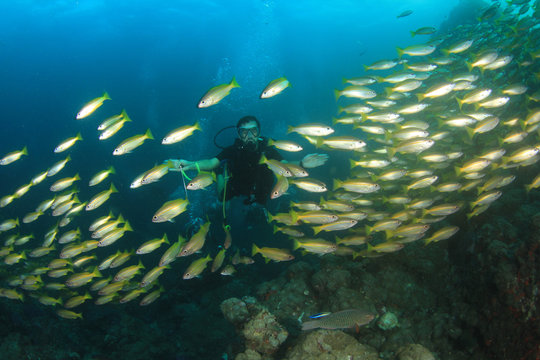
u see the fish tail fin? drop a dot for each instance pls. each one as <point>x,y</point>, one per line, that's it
<point>24,151</point>
<point>165,239</point>
<point>470,132</point>
<point>413,33</point>
<point>391,152</point>
<point>294,216</point>
<point>79,136</point>
<point>106,96</point>
<point>127,227</point>
<point>126,116</point>
<point>234,83</point>
<point>113,189</point>
<point>460,103</point>
<point>296,244</point>
<point>399,52</point>
<point>337,94</point>
<point>319,142</point>
<point>254,250</point>
<point>197,125</point>
<point>149,135</point>
<point>111,170</point>
<point>337,184</point>
<point>368,229</point>
<point>263,159</point>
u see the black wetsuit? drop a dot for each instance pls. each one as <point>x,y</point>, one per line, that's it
<point>246,176</point>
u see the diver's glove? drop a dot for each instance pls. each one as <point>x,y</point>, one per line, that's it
<point>177,164</point>
<point>314,160</point>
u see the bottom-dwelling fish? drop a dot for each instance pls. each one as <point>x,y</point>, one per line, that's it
<point>341,320</point>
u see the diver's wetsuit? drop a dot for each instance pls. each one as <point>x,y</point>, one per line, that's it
<point>246,175</point>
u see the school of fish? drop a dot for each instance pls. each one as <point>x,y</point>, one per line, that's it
<point>441,129</point>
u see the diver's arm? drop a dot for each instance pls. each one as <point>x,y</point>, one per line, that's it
<point>204,165</point>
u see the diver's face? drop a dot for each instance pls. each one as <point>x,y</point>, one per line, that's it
<point>249,132</point>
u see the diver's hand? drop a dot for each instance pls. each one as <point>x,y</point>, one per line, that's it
<point>177,164</point>
<point>314,160</point>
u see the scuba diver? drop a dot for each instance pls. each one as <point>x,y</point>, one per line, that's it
<point>241,173</point>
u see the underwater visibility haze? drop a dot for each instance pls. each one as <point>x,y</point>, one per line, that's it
<point>401,140</point>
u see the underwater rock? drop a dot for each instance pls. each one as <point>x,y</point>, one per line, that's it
<point>235,311</point>
<point>248,355</point>
<point>261,330</point>
<point>331,344</point>
<point>263,333</point>
<point>388,321</point>
<point>349,299</point>
<point>290,295</point>
<point>329,280</point>
<point>414,352</point>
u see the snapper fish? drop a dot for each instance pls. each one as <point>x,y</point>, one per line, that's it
<point>217,93</point>
<point>109,131</point>
<point>275,87</point>
<point>130,144</point>
<point>426,30</point>
<point>13,156</point>
<point>100,176</point>
<point>92,106</point>
<point>313,129</point>
<point>170,210</point>
<point>180,134</point>
<point>66,144</point>
<point>274,254</point>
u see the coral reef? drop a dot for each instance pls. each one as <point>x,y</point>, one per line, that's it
<point>329,345</point>
<point>262,333</point>
<point>414,352</point>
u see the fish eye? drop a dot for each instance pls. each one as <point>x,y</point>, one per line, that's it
<point>154,218</point>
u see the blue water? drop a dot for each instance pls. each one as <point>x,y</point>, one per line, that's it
<point>158,60</point>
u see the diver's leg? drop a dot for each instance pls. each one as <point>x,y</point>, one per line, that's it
<point>220,185</point>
